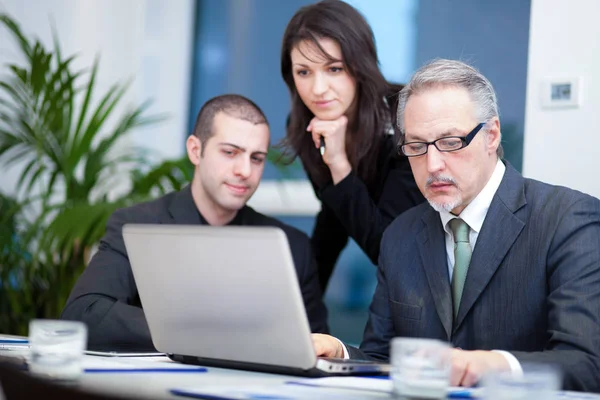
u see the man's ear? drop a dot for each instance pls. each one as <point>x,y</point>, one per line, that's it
<point>493,135</point>
<point>194,148</point>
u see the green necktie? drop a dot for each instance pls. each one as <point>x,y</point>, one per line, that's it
<point>462,257</point>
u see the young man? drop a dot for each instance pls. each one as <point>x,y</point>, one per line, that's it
<point>228,149</point>
<point>507,269</point>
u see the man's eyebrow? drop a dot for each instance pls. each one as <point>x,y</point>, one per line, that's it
<point>232,145</point>
<point>242,148</point>
<point>450,132</point>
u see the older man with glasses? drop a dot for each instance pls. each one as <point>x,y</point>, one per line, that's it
<point>506,269</point>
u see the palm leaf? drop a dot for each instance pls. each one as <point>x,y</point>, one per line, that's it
<point>16,31</point>
<point>176,172</point>
<point>86,104</point>
<point>91,219</point>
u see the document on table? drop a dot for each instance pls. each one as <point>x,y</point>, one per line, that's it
<point>280,391</point>
<point>121,354</point>
<point>93,364</point>
<point>376,384</point>
<point>383,384</point>
<point>13,343</point>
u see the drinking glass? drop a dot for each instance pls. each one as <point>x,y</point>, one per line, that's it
<point>420,368</point>
<point>57,348</point>
<point>538,381</point>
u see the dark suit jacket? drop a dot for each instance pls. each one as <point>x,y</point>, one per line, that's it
<point>106,298</point>
<point>362,211</point>
<point>533,285</point>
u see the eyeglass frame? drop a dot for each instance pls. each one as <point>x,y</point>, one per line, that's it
<point>465,140</point>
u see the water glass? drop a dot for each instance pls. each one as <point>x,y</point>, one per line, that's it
<point>538,381</point>
<point>57,348</point>
<point>420,368</point>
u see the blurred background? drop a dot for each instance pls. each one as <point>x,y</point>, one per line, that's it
<point>180,53</point>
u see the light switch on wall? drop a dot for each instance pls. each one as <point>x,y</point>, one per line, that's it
<point>561,92</point>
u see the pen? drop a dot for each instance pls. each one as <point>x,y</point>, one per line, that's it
<point>460,394</point>
<point>322,146</point>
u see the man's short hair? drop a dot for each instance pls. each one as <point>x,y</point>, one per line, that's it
<point>233,105</point>
<point>442,72</point>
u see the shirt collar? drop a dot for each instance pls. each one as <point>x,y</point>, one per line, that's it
<point>238,220</point>
<point>474,214</point>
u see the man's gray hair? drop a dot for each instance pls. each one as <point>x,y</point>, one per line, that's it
<point>442,72</point>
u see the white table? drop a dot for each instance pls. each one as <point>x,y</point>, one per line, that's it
<point>157,385</point>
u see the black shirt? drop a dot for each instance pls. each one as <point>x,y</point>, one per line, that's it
<point>353,208</point>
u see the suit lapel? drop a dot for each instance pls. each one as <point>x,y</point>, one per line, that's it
<point>432,247</point>
<point>183,210</point>
<point>498,233</point>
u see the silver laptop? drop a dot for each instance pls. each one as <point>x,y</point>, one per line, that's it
<point>227,297</point>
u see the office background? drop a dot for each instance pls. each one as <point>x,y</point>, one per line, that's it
<point>180,53</point>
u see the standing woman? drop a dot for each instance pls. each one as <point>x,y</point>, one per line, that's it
<point>341,100</point>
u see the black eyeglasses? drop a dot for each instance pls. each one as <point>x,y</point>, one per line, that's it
<point>444,144</point>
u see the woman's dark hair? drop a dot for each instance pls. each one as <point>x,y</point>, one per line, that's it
<point>339,21</point>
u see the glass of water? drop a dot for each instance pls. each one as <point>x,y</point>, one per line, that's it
<point>420,368</point>
<point>57,348</point>
<point>538,381</point>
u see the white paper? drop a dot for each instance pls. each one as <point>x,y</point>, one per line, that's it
<point>9,343</point>
<point>290,392</point>
<point>349,382</point>
<point>121,354</point>
<point>381,385</point>
<point>133,363</point>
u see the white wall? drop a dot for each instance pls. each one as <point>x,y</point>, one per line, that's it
<point>147,40</point>
<point>562,145</point>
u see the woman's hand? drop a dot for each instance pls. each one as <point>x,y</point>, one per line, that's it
<point>334,133</point>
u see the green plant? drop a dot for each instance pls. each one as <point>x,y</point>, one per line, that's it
<point>13,258</point>
<point>68,147</point>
